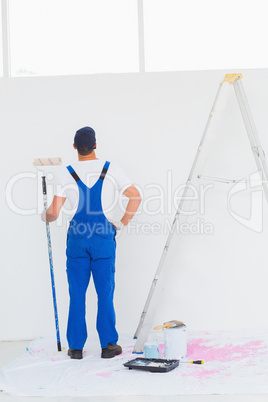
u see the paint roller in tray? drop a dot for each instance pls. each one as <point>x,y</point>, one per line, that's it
<point>41,164</point>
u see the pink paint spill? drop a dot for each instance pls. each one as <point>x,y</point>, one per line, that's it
<point>201,373</point>
<point>197,349</point>
<point>162,350</point>
<point>126,352</point>
<point>34,351</point>
<point>105,375</point>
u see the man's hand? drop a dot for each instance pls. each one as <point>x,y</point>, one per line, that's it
<point>118,225</point>
<point>43,216</point>
<point>53,210</point>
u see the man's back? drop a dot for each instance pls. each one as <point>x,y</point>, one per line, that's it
<point>89,171</point>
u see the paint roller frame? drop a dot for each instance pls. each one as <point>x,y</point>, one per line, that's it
<point>38,163</point>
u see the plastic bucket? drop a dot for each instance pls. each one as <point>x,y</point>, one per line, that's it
<point>151,350</point>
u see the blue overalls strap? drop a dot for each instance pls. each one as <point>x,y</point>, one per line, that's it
<point>102,175</point>
<point>104,170</point>
<point>73,173</point>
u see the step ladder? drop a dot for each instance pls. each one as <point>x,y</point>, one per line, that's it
<point>147,316</point>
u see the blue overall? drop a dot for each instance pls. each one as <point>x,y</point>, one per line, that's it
<point>90,249</point>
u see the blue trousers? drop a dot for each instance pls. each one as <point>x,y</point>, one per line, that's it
<point>86,256</point>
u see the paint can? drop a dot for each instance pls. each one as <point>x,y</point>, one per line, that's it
<point>175,342</point>
<point>151,350</point>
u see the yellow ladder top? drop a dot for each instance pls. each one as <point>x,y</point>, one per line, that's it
<point>231,78</point>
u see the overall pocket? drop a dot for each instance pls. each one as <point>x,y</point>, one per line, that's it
<point>102,247</point>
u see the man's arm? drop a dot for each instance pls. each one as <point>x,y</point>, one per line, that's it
<point>133,204</point>
<point>53,210</point>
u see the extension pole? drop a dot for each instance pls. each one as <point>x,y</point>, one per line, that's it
<point>51,265</point>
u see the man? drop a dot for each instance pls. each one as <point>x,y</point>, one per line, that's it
<point>91,240</point>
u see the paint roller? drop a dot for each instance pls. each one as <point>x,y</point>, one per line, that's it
<point>47,161</point>
<point>38,163</point>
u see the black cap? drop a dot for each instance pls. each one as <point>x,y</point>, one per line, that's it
<point>85,137</point>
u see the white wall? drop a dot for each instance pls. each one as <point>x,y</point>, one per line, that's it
<point>149,124</point>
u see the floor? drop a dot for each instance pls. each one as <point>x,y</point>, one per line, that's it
<point>11,350</point>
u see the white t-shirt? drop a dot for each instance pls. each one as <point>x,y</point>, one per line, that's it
<point>114,183</point>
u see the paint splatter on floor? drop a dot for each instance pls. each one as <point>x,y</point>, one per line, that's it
<point>201,373</point>
<point>199,348</point>
<point>105,375</point>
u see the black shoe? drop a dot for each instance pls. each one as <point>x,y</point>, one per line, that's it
<point>111,351</point>
<point>75,353</point>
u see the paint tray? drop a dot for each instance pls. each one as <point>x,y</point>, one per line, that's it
<point>152,365</point>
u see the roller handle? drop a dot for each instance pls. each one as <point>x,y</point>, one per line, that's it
<point>44,185</point>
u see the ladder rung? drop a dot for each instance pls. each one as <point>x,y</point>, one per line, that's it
<point>227,181</point>
<point>219,179</point>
